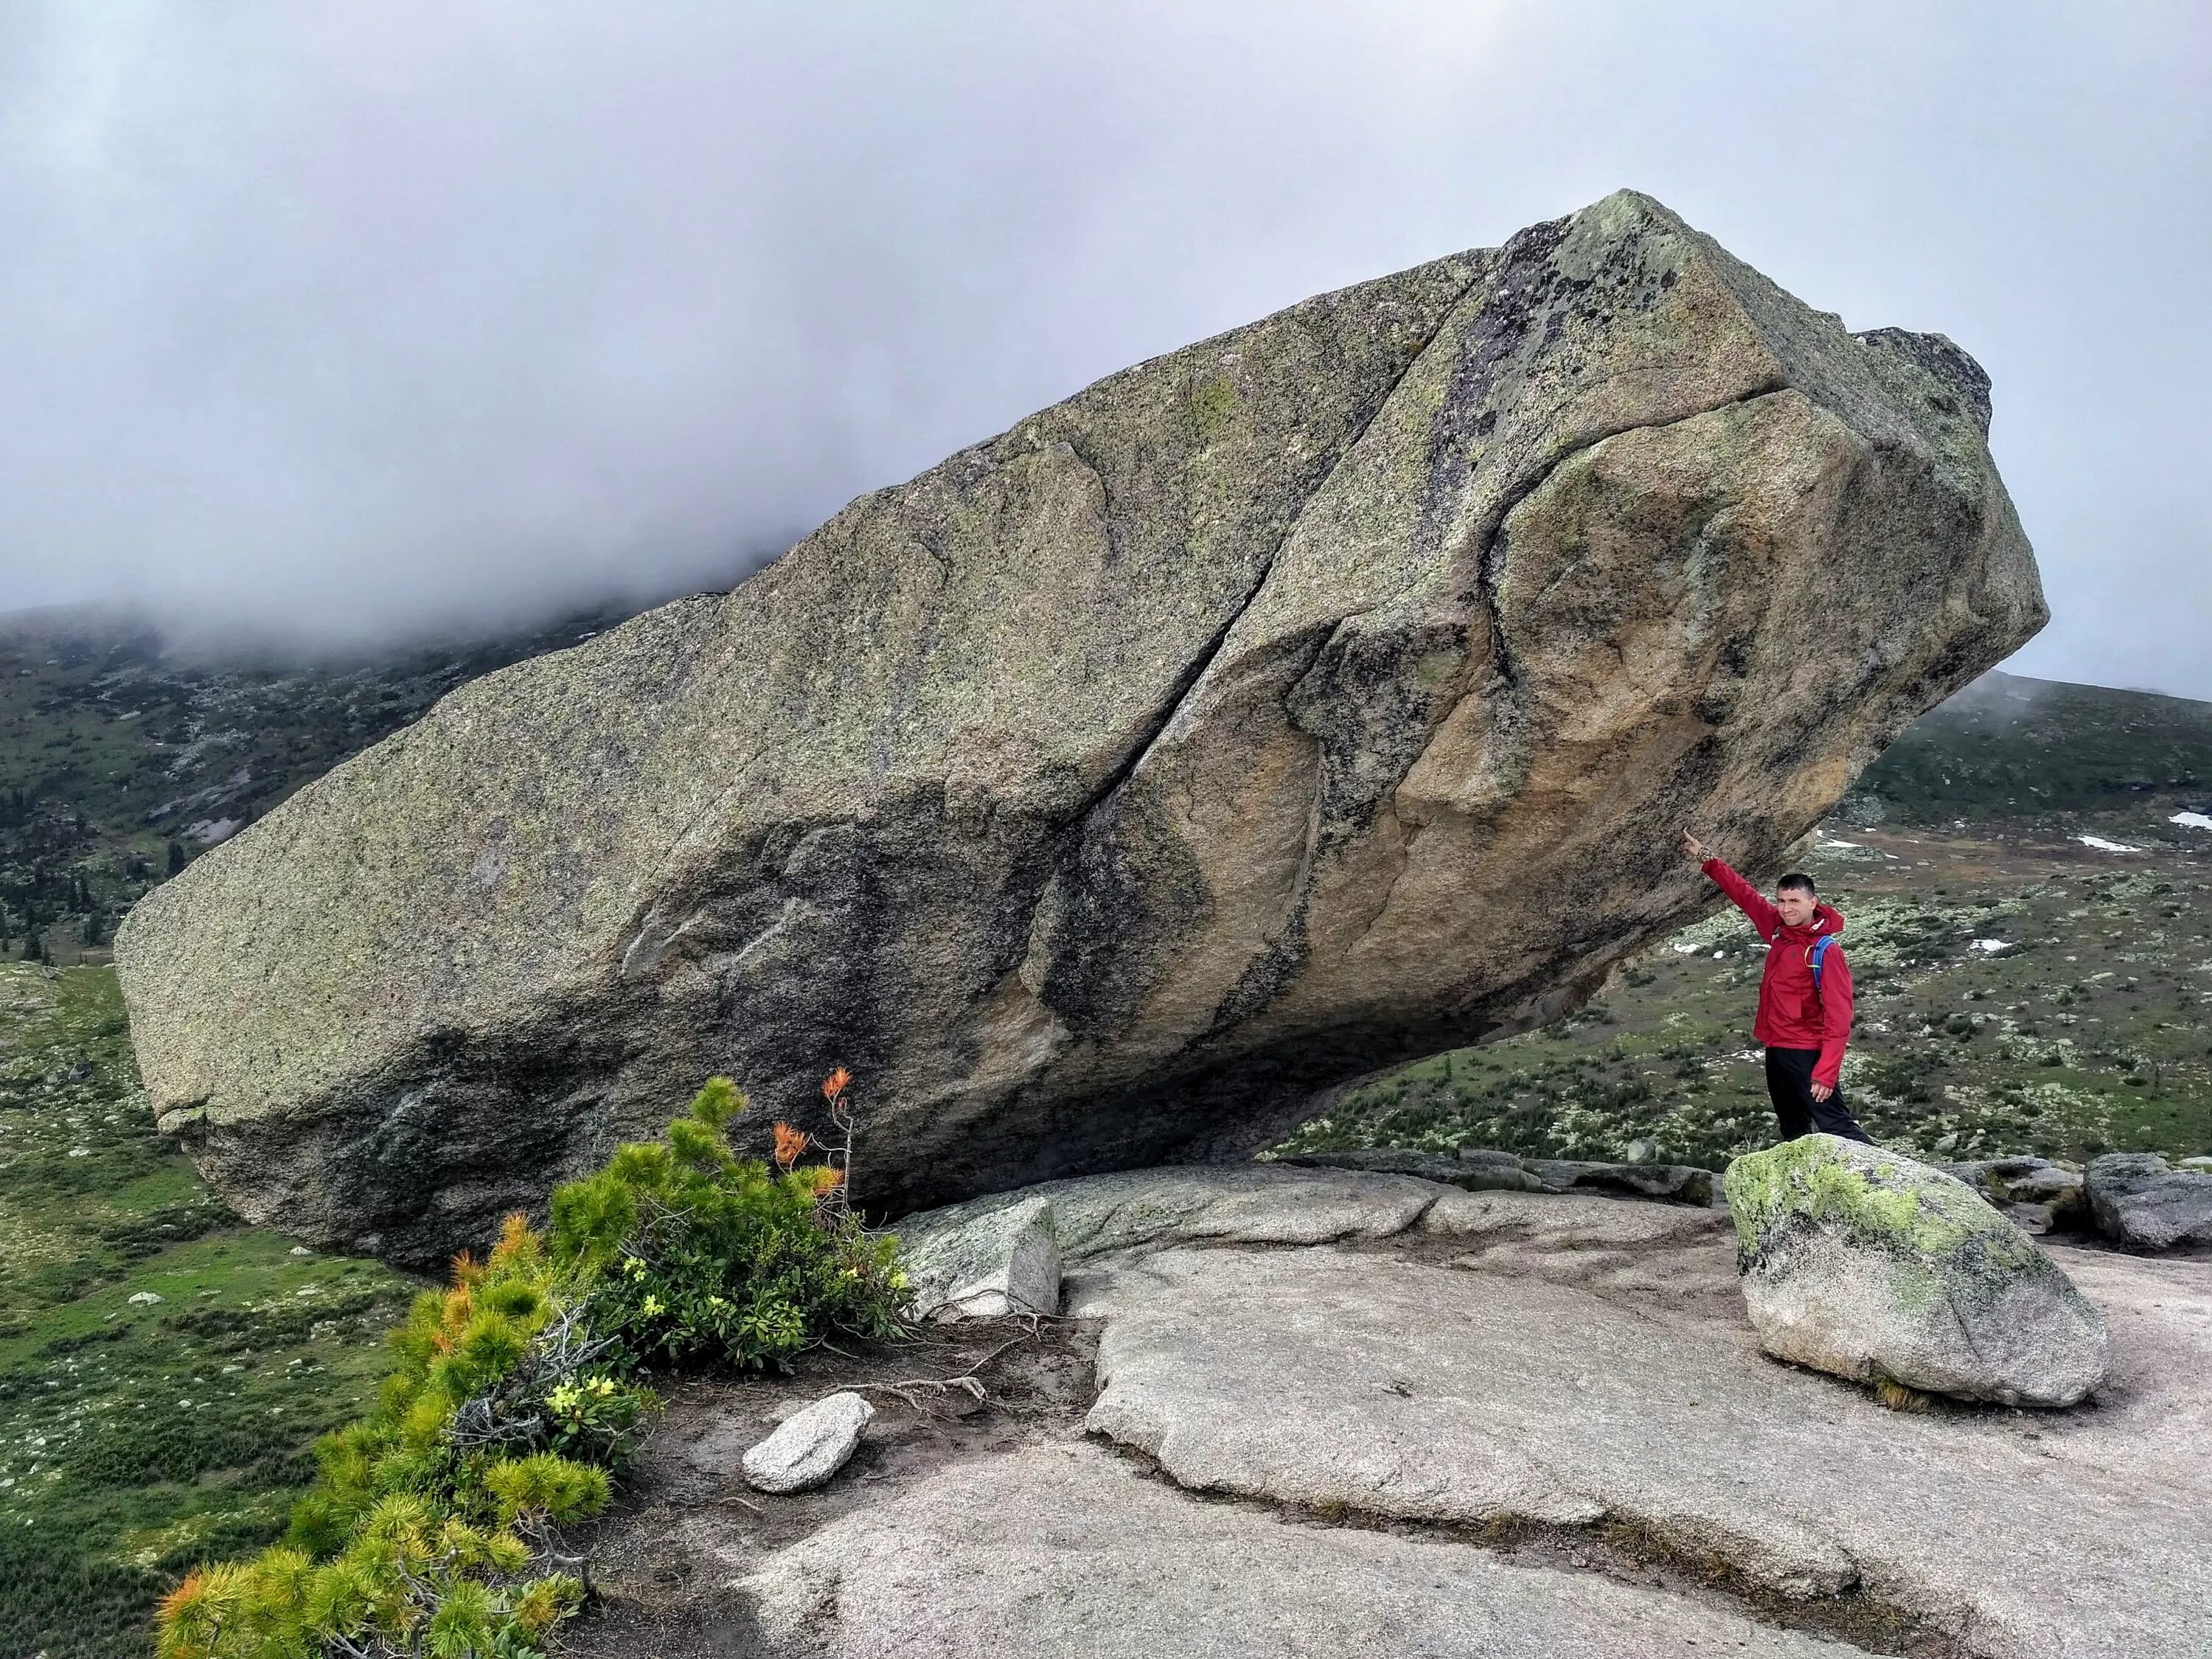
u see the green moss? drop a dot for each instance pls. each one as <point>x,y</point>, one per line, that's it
<point>1916,1213</point>
<point>1213,405</point>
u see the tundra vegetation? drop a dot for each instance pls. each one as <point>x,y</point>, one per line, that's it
<point>2016,993</point>
<point>164,1369</point>
<point>175,1387</point>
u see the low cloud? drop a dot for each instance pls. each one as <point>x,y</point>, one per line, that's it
<point>355,323</point>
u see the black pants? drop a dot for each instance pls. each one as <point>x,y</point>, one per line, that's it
<point>1789,1081</point>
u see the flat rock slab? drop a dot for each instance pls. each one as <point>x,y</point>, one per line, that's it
<point>1620,1387</point>
<point>1422,1362</point>
<point>1485,1169</point>
<point>1228,1204</point>
<point>1066,1550</point>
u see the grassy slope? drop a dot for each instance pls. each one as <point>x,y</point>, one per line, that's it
<point>2086,1034</point>
<point>2040,752</point>
<point>136,1434</point>
<point>138,1437</point>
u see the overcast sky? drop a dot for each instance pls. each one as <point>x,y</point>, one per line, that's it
<point>359,320</point>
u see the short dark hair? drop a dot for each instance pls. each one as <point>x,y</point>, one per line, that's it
<point>1798,879</point>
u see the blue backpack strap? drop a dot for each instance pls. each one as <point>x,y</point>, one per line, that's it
<point>1820,949</point>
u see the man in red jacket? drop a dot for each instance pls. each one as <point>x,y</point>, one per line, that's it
<point>1804,1015</point>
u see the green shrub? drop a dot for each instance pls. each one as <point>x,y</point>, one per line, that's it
<point>692,1252</point>
<point>432,1527</point>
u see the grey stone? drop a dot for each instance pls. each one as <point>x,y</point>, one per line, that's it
<point>2048,1185</point>
<point>1315,697</point>
<point>1675,1183</point>
<point>1006,1262</point>
<point>1993,1177</point>
<point>809,1446</point>
<point>1862,1262</point>
<point>1487,1155</point>
<point>1481,1169</point>
<point>1094,1216</point>
<point>2141,1203</point>
<point>1064,1552</point>
<point>2034,1194</point>
<point>1478,1172</point>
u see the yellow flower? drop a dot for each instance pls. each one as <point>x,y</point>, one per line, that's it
<point>652,1306</point>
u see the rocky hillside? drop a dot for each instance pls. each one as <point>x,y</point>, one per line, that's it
<point>2042,752</point>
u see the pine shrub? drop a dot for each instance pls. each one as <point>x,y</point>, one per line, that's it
<point>434,1526</point>
<point>694,1253</point>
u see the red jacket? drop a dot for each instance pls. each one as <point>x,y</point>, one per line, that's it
<point>1791,1013</point>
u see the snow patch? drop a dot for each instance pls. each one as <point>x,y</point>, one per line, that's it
<point>2104,846</point>
<point>2191,820</point>
<point>1992,946</point>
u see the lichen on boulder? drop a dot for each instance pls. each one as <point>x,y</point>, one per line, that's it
<point>1863,1263</point>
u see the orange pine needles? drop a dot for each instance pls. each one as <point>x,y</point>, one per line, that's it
<point>188,1600</point>
<point>513,1238</point>
<point>789,1144</point>
<point>833,1084</point>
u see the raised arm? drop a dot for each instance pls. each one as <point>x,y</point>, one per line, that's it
<point>1748,899</point>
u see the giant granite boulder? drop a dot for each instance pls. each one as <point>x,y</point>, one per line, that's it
<point>1319,696</point>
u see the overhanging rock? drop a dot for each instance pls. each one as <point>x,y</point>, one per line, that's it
<point>1316,696</point>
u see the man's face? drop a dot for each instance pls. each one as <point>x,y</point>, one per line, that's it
<point>1796,905</point>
